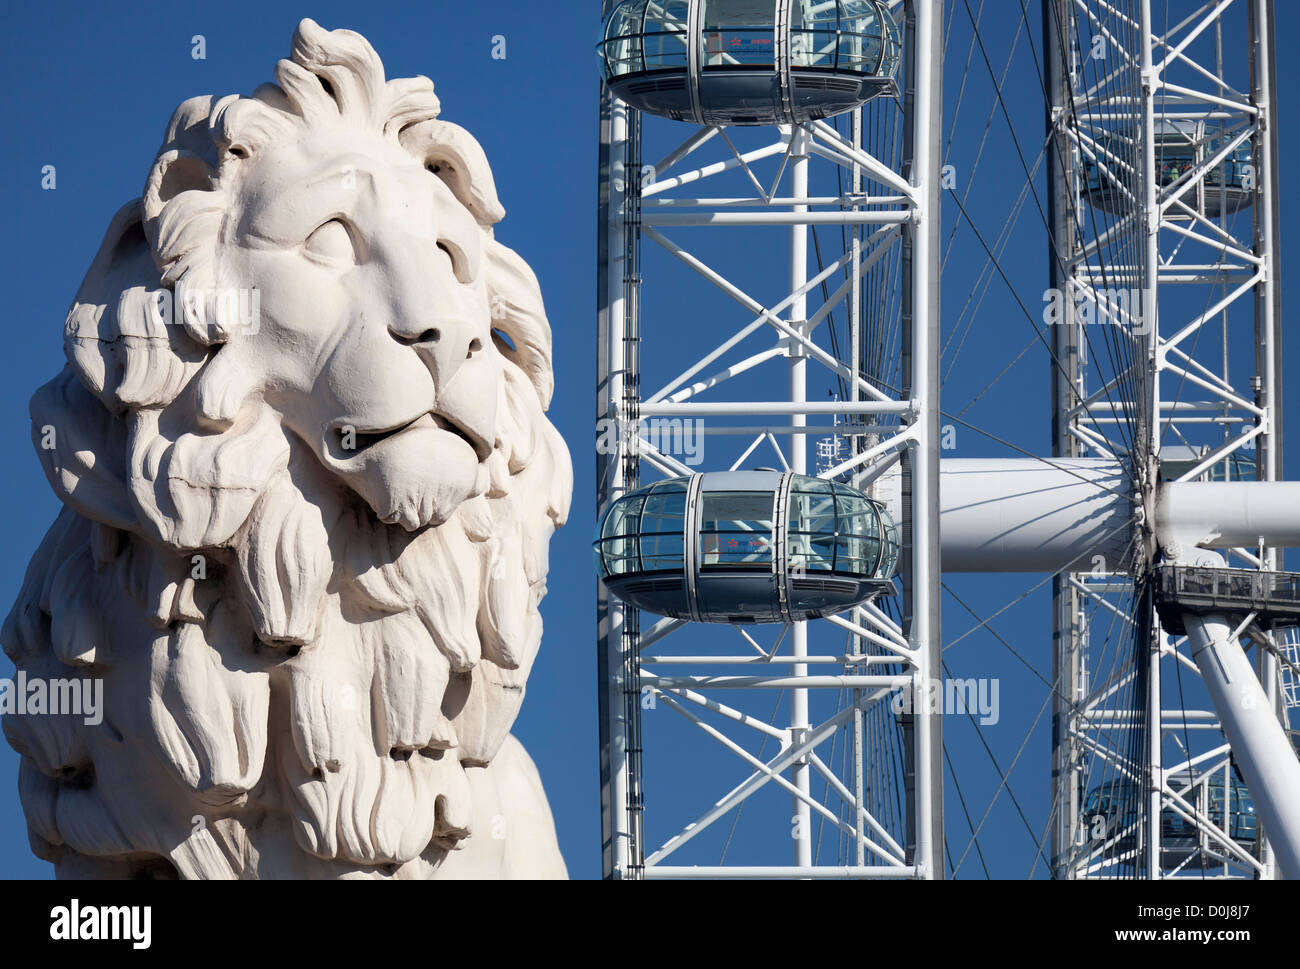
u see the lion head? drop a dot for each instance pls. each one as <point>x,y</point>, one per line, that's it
<point>309,489</point>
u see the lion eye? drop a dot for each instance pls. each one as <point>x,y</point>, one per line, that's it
<point>332,242</point>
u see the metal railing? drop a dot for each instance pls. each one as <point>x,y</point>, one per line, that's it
<point>1229,589</point>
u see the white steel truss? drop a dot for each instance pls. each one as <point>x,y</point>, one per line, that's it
<point>1179,286</point>
<point>741,373</point>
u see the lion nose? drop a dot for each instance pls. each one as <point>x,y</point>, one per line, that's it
<point>444,345</point>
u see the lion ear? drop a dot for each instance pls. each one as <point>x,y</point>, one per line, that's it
<point>190,128</point>
<point>181,211</point>
<point>455,156</point>
<point>174,171</point>
<point>186,161</point>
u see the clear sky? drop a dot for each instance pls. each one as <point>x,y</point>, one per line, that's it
<point>89,89</point>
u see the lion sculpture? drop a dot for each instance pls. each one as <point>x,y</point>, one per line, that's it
<point>309,487</point>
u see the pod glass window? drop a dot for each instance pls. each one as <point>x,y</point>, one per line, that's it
<point>738,33</point>
<point>736,530</point>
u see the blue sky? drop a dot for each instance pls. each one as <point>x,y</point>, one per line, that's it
<point>90,89</point>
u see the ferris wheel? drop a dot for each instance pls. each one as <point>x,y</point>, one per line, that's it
<point>779,528</point>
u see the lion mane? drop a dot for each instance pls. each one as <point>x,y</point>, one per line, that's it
<point>291,686</point>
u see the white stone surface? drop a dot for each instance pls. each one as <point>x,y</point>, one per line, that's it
<point>308,494</point>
